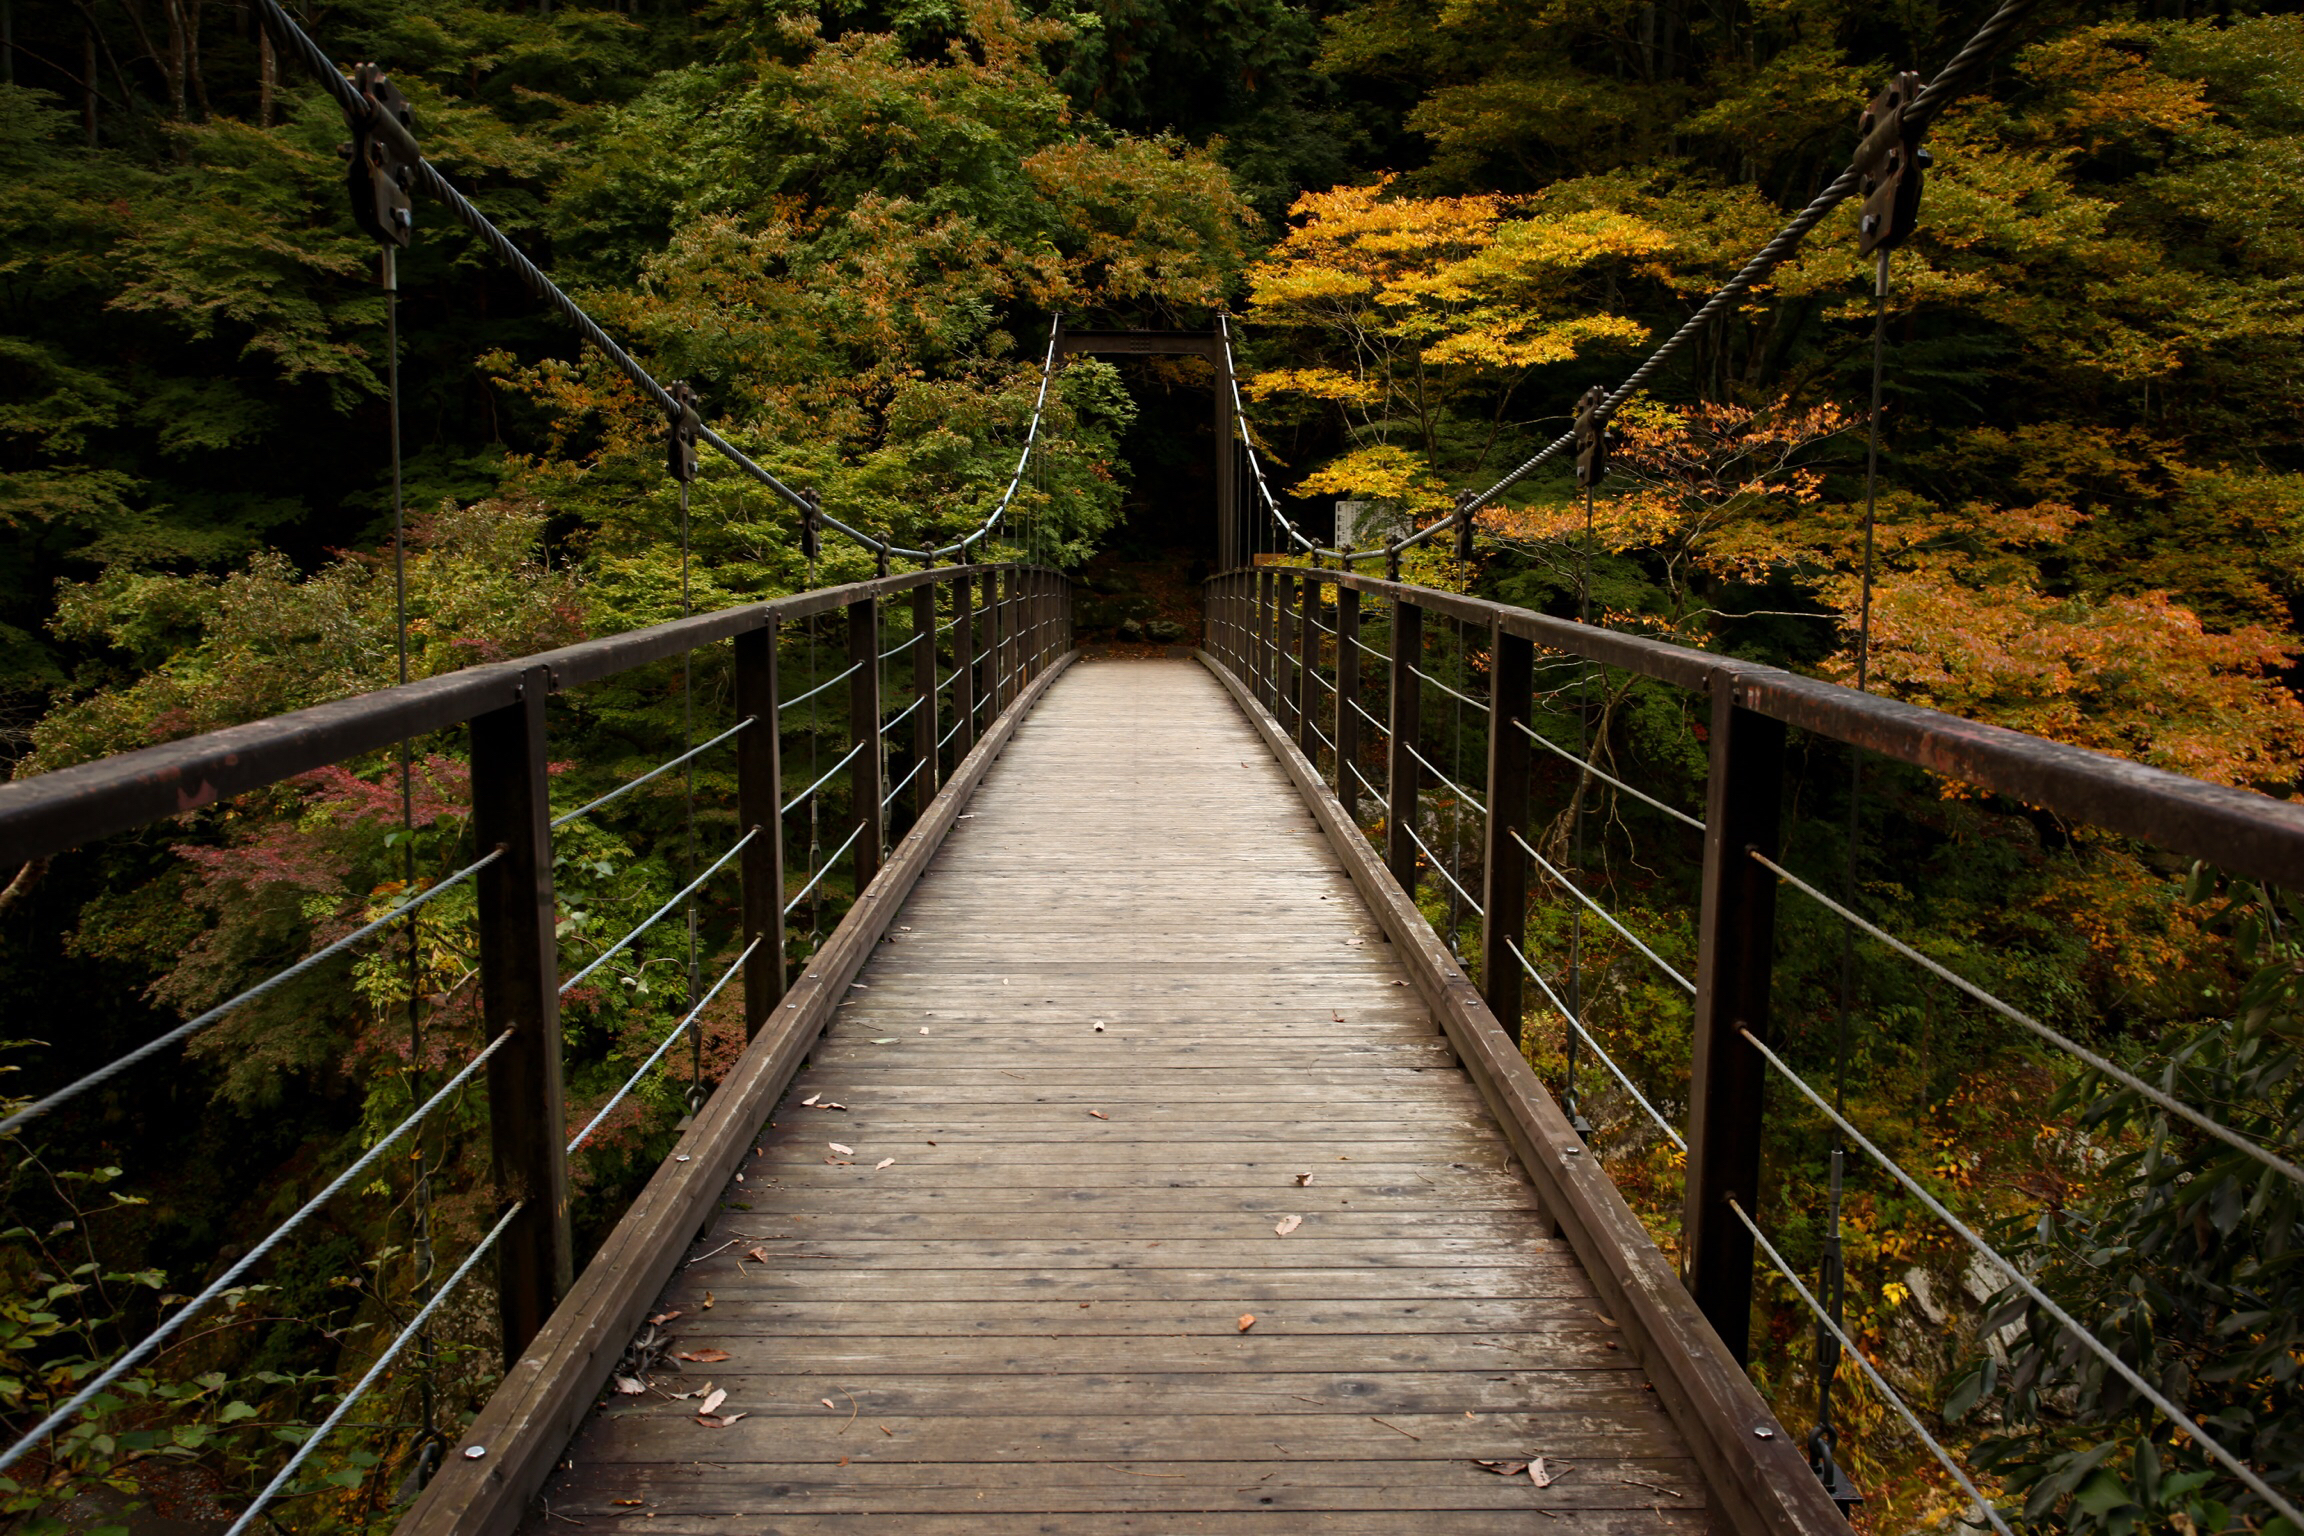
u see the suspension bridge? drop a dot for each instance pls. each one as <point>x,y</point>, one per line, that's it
<point>1138,1149</point>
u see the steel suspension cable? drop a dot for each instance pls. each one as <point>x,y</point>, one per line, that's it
<point>290,36</point>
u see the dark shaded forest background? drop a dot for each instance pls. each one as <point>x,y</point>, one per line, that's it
<point>1438,221</point>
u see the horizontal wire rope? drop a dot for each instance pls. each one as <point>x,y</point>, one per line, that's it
<point>658,915</point>
<point>658,771</point>
<point>824,869</point>
<point>144,1348</point>
<point>400,1341</point>
<point>1371,719</point>
<point>1879,1383</point>
<point>898,718</point>
<point>2144,1389</point>
<point>889,799</point>
<point>948,735</point>
<point>1323,735</point>
<point>1598,1049</point>
<point>1605,778</point>
<point>801,798</point>
<point>1462,698</point>
<point>269,984</point>
<point>1366,649</point>
<point>1460,791</point>
<point>669,1041</point>
<point>854,667</point>
<point>2049,1033</point>
<point>1605,915</point>
<point>1442,870</point>
<point>1373,791</point>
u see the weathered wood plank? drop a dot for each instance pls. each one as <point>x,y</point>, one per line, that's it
<point>1030,1320</point>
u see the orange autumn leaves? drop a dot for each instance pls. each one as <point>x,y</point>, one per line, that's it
<point>1965,617</point>
<point>1415,317</point>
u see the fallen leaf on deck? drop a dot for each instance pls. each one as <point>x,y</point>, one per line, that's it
<point>1604,1317</point>
<point>629,1387</point>
<point>712,1404</point>
<point>884,1162</point>
<point>1099,1114</point>
<point>705,1356</point>
<point>709,1422</point>
<point>842,1150</point>
<point>884,1429</point>
<point>923,1029</point>
<point>1288,1224</point>
<point>707,1301</point>
<point>884,1040</point>
<point>1099,1026</point>
<point>1540,1477</point>
<point>661,1318</point>
<point>1356,943</point>
<point>757,1255</point>
<point>628,1503</point>
<point>1247,1319</point>
<point>1337,1017</point>
<point>812,1098</point>
<point>1503,1468</point>
<point>828,1104</point>
<point>1303,1179</point>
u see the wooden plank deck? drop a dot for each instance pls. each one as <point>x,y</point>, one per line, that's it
<point>1030,1319</point>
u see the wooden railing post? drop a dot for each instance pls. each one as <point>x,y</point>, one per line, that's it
<point>520,992</point>
<point>1262,665</point>
<point>1004,653</point>
<point>1308,671</point>
<point>1347,695</point>
<point>988,646</point>
<point>963,666</point>
<point>924,721</point>
<point>864,727</point>
<point>1511,685</point>
<point>1286,681</point>
<point>1736,933</point>
<point>1407,736</point>
<point>759,801</point>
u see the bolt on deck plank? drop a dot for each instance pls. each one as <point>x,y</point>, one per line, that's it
<point>1031,1319</point>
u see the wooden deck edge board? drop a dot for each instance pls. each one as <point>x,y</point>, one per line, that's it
<point>1761,1483</point>
<point>530,1419</point>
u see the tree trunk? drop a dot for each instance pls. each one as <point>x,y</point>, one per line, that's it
<point>173,65</point>
<point>88,83</point>
<point>192,61</point>
<point>267,76</point>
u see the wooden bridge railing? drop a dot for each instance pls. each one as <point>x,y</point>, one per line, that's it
<point>1359,680</point>
<point>972,645</point>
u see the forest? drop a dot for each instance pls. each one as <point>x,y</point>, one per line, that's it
<point>1434,224</point>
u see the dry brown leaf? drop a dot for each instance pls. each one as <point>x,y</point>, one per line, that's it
<point>828,1104</point>
<point>1099,1114</point>
<point>661,1318</point>
<point>883,1163</point>
<point>1303,1179</point>
<point>1247,1321</point>
<point>712,1403</point>
<point>757,1254</point>
<point>812,1098</point>
<point>707,1301</point>
<point>706,1356</point>
<point>884,1429</point>
<point>1604,1317</point>
<point>1538,1476</point>
<point>1288,1224</point>
<point>1356,943</point>
<point>627,1503</point>
<point>844,1151</point>
<point>827,1402</point>
<point>710,1422</point>
<point>630,1387</point>
<point>1503,1468</point>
